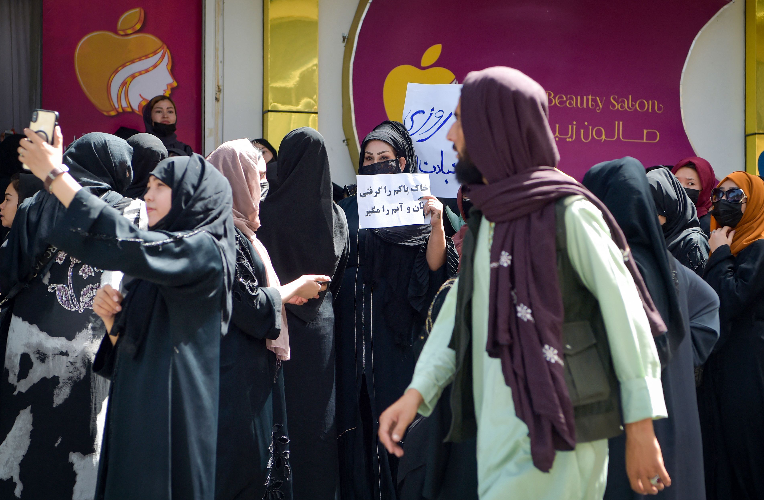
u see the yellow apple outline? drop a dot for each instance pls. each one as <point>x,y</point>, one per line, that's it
<point>396,82</point>
<point>90,69</point>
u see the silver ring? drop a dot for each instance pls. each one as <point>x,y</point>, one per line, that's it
<point>654,481</point>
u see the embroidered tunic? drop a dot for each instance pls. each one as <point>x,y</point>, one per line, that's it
<point>53,406</point>
<point>505,466</point>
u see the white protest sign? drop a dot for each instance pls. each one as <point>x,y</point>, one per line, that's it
<point>389,200</point>
<point>428,115</point>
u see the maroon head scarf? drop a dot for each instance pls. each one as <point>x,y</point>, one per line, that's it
<point>707,179</point>
<point>505,121</point>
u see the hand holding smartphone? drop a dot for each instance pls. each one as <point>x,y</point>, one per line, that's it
<point>44,124</point>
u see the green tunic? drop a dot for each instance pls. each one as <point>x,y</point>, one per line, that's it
<point>505,466</point>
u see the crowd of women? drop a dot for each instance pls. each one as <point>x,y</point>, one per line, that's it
<point>185,327</point>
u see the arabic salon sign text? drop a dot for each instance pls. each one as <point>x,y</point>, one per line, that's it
<point>601,131</point>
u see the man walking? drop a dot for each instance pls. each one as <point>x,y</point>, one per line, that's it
<point>548,320</point>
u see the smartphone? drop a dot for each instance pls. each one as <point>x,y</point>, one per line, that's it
<point>44,124</point>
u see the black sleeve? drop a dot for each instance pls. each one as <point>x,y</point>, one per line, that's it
<point>339,273</point>
<point>97,234</point>
<point>256,309</point>
<point>738,281</point>
<point>425,283</point>
<point>697,255</point>
<point>105,358</point>
<point>703,308</point>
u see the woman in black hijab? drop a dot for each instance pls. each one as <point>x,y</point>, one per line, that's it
<point>306,233</point>
<point>50,334</point>
<point>21,187</point>
<point>679,220</point>
<point>148,151</point>
<point>391,279</point>
<point>268,151</point>
<point>690,310</point>
<point>9,165</point>
<point>162,352</point>
<point>160,116</point>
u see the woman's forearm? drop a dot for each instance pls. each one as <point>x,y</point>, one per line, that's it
<point>64,187</point>
<point>287,291</point>
<point>436,248</point>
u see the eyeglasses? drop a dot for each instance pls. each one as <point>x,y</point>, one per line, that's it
<point>734,195</point>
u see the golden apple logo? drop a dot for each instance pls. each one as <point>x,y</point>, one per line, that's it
<point>120,72</point>
<point>394,91</point>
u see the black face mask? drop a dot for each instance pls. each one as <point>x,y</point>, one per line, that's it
<point>466,172</point>
<point>381,167</point>
<point>163,129</point>
<point>264,186</point>
<point>726,213</point>
<point>693,194</point>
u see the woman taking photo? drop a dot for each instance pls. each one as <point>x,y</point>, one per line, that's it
<point>256,344</point>
<point>391,279</point>
<point>161,119</point>
<point>163,348</point>
<point>732,391</point>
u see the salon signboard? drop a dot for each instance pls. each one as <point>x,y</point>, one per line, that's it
<point>611,70</point>
<point>103,61</point>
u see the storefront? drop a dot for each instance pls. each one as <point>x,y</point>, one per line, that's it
<point>659,81</point>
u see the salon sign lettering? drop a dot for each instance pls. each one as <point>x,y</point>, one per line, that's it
<point>608,95</point>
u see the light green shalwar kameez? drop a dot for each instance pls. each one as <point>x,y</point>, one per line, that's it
<point>505,466</point>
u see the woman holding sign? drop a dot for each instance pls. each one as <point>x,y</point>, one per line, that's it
<point>391,278</point>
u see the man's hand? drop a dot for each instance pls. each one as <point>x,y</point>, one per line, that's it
<point>644,460</point>
<point>395,420</point>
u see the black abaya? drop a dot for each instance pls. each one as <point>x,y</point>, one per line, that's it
<point>375,347</point>
<point>305,232</point>
<point>679,435</point>
<point>432,469</point>
<point>161,424</point>
<point>732,391</point>
<point>248,381</point>
<point>623,186</point>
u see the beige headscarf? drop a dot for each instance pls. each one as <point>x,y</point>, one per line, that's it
<point>238,162</point>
